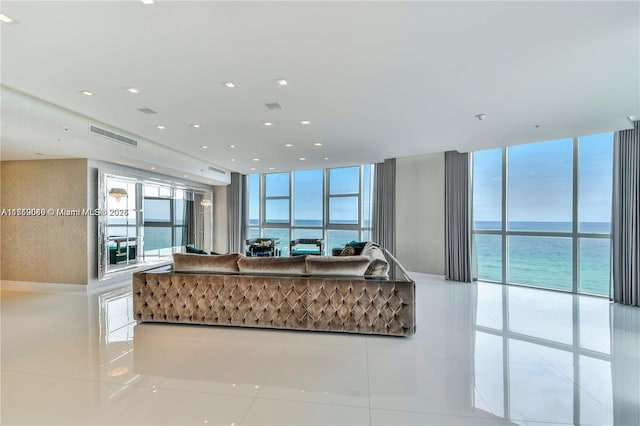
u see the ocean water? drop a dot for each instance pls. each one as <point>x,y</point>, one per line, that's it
<point>546,261</point>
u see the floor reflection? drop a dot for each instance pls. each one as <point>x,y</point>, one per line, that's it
<point>553,357</point>
<point>531,356</point>
<point>483,354</point>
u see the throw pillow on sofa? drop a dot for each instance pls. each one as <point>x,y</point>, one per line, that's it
<point>348,251</point>
<point>191,249</point>
<point>357,245</point>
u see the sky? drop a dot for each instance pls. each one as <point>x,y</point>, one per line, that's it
<point>540,182</point>
<point>540,185</point>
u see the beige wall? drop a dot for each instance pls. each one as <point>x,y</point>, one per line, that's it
<point>420,213</point>
<point>51,248</point>
<point>219,243</point>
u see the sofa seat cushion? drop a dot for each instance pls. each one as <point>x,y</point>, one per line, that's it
<point>337,265</point>
<point>272,265</point>
<point>189,262</point>
<point>379,267</point>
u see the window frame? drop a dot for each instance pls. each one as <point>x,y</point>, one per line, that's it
<point>575,233</point>
<point>264,226</point>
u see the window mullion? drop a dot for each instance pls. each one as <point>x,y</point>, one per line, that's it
<point>505,153</point>
<point>574,238</point>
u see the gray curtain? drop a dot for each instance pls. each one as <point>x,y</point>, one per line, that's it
<point>384,205</point>
<point>197,218</point>
<point>236,213</point>
<point>460,264</point>
<point>189,220</point>
<point>625,221</point>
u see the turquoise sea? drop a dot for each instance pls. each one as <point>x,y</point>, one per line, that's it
<point>538,261</point>
<point>547,261</point>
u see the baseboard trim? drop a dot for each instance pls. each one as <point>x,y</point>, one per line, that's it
<point>425,275</point>
<point>104,287</point>
<point>39,287</point>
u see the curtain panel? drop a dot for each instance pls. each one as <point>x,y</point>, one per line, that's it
<point>384,205</point>
<point>197,218</point>
<point>625,221</point>
<point>236,213</point>
<point>460,264</point>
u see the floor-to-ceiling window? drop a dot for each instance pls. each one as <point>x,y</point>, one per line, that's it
<point>330,204</point>
<point>542,213</point>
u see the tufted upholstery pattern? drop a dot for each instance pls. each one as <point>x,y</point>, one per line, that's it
<point>301,303</point>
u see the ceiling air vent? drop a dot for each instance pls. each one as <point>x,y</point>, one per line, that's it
<point>273,105</point>
<point>147,110</point>
<point>213,169</point>
<point>111,135</point>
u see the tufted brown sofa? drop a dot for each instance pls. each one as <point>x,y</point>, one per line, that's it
<point>318,293</point>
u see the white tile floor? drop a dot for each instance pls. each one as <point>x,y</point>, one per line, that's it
<point>483,355</point>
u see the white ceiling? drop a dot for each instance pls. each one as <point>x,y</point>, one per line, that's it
<point>376,79</point>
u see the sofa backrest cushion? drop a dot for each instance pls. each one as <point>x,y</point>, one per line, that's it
<point>337,265</point>
<point>187,262</point>
<point>273,265</point>
<point>379,267</point>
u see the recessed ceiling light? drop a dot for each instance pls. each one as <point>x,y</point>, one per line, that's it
<point>204,146</point>
<point>185,175</point>
<point>232,146</point>
<point>132,90</point>
<point>326,158</point>
<point>268,123</point>
<point>253,168</point>
<point>256,159</point>
<point>147,2</point>
<point>161,127</point>
<point>305,122</point>
<point>272,168</point>
<point>317,144</point>
<point>302,159</point>
<point>6,19</point>
<point>288,145</point>
<point>229,84</point>
<point>195,126</point>
<point>86,92</point>
<point>153,168</point>
<point>233,159</point>
<point>282,81</point>
<point>208,181</point>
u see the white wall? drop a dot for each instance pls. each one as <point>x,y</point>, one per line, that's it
<point>420,213</point>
